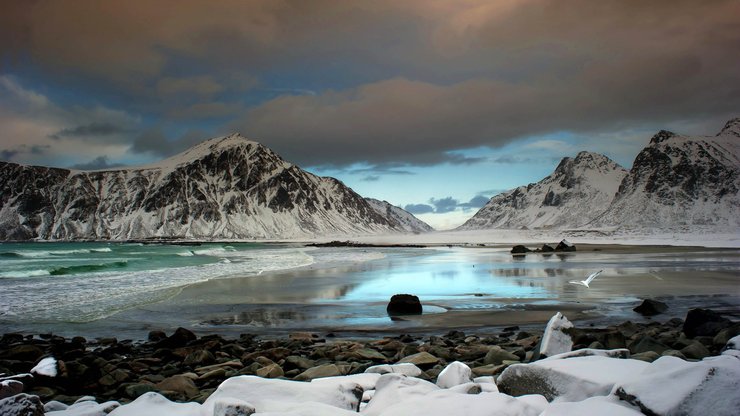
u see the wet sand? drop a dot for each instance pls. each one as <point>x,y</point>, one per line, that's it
<point>461,288</point>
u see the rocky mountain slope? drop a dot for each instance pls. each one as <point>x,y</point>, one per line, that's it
<point>577,191</point>
<point>681,182</point>
<point>403,218</point>
<point>227,187</point>
<point>677,183</point>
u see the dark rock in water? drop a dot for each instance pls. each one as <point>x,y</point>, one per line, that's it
<point>520,249</point>
<point>565,245</point>
<point>546,248</point>
<point>21,405</point>
<point>404,304</point>
<point>650,307</point>
<point>704,322</point>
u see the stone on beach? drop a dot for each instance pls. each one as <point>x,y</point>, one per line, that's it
<point>704,322</point>
<point>650,307</point>
<point>454,374</point>
<point>555,340</point>
<point>408,369</point>
<point>21,405</point>
<point>404,304</point>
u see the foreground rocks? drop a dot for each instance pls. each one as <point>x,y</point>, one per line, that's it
<point>106,373</point>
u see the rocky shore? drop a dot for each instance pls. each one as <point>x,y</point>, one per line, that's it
<point>54,372</point>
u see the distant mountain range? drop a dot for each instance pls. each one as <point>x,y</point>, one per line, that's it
<point>677,182</point>
<point>227,187</point>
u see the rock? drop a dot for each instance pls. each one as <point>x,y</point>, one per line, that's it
<point>456,373</point>
<point>156,336</point>
<point>568,379</point>
<point>21,405</point>
<point>232,407</point>
<point>691,388</point>
<point>404,304</point>
<point>199,358</point>
<point>180,384</point>
<point>277,395</point>
<point>135,390</point>
<point>408,369</point>
<point>646,344</point>
<point>520,249</point>
<point>488,370</point>
<point>369,354</point>
<point>216,374</point>
<point>10,388</point>
<point>326,370</point>
<point>647,356</point>
<point>726,334</point>
<point>704,322</point>
<point>546,248</point>
<point>395,388</point>
<point>497,355</point>
<point>47,367</point>
<point>732,344</point>
<point>650,307</point>
<point>180,338</point>
<point>422,360</point>
<point>302,363</point>
<point>270,371</point>
<point>23,352</point>
<point>54,406</point>
<point>555,340</point>
<point>565,245</point>
<point>696,350</point>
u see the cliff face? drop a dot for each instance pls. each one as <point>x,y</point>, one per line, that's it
<point>227,187</point>
<point>577,191</point>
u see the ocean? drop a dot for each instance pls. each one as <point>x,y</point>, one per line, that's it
<point>82,282</point>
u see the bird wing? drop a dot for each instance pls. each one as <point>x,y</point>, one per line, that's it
<point>592,277</point>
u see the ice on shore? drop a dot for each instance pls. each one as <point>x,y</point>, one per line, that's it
<point>555,340</point>
<point>46,367</point>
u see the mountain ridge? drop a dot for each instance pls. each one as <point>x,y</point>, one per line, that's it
<point>227,187</point>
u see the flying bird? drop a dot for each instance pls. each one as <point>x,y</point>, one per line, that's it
<point>588,280</point>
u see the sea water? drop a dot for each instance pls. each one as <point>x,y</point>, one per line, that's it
<point>81,282</point>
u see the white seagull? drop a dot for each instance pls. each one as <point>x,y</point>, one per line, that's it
<point>588,280</point>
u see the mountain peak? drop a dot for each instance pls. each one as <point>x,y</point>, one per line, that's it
<point>662,136</point>
<point>732,127</point>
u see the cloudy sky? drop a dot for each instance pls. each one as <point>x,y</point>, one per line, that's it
<point>433,105</point>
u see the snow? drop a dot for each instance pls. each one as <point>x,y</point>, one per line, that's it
<point>445,403</point>
<point>590,407</point>
<point>733,343</point>
<point>86,408</point>
<point>153,404</point>
<point>408,369</point>
<point>454,374</point>
<point>554,340</point>
<point>46,367</point>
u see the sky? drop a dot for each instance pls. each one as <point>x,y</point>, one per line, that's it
<point>432,105</point>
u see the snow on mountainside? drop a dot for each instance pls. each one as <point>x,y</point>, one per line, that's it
<point>577,191</point>
<point>403,218</point>
<point>227,187</point>
<point>681,182</point>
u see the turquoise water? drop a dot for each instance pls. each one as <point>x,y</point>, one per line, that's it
<point>79,282</point>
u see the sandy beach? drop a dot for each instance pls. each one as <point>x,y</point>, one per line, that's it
<point>472,288</point>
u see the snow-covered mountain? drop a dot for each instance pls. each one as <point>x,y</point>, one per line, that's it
<point>681,182</point>
<point>577,191</point>
<point>227,187</point>
<point>403,218</point>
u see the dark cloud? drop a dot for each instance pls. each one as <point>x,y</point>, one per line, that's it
<point>99,163</point>
<point>155,142</point>
<point>512,160</point>
<point>387,169</point>
<point>477,201</point>
<point>92,130</point>
<point>8,154</point>
<point>444,205</point>
<point>370,178</point>
<point>388,81</point>
<point>419,208</point>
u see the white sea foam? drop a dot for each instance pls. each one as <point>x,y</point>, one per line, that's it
<point>24,273</point>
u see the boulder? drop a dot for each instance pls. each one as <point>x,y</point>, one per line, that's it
<point>422,360</point>
<point>326,370</point>
<point>565,245</point>
<point>21,405</point>
<point>650,307</point>
<point>546,248</point>
<point>568,379</point>
<point>180,338</point>
<point>180,384</point>
<point>688,388</point>
<point>10,388</point>
<point>408,369</point>
<point>232,407</point>
<point>520,249</point>
<point>270,371</point>
<point>497,355</point>
<point>404,304</point>
<point>455,374</point>
<point>23,352</point>
<point>704,322</point>
<point>554,340</point>
<point>648,343</point>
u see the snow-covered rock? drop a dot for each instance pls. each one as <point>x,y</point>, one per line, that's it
<point>733,343</point>
<point>592,406</point>
<point>395,388</point>
<point>579,190</point>
<point>46,367</point>
<point>154,404</point>
<point>408,369</point>
<point>10,388</point>
<point>405,220</point>
<point>275,395</point>
<point>86,408</point>
<point>569,379</point>
<point>454,374</point>
<point>21,405</point>
<point>672,386</point>
<point>446,403</point>
<point>555,340</point>
<point>226,187</point>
